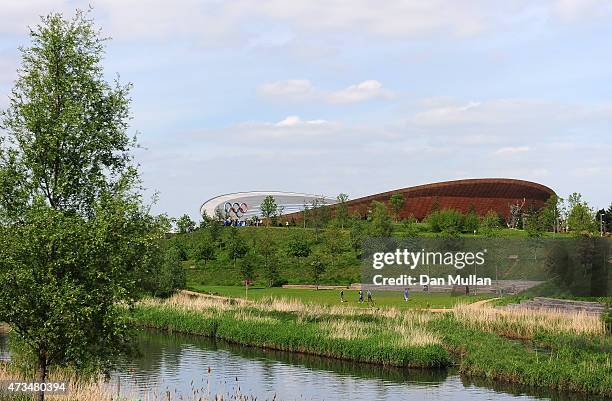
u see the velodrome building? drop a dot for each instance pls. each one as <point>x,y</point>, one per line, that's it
<point>481,195</point>
<point>245,205</point>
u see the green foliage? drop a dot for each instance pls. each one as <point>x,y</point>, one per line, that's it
<point>410,227</point>
<point>581,218</point>
<point>550,215</point>
<point>318,267</point>
<point>247,266</point>
<point>206,249</point>
<point>341,209</point>
<point>169,274</point>
<point>356,231</point>
<point>236,246</point>
<point>335,242</point>
<point>471,222</point>
<point>268,250</point>
<point>446,221</point>
<point>397,202</point>
<point>490,224</point>
<point>184,224</point>
<point>75,239</point>
<point>268,208</point>
<point>380,221</point>
<point>534,223</point>
<point>298,247</point>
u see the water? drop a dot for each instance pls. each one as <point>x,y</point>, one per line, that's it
<point>181,363</point>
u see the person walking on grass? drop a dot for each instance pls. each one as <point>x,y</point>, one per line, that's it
<point>341,296</point>
<point>406,294</point>
<point>369,296</point>
<point>360,296</point>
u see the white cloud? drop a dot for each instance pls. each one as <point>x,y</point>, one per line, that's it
<point>303,90</point>
<point>292,121</point>
<point>365,90</point>
<point>510,150</point>
<point>292,89</point>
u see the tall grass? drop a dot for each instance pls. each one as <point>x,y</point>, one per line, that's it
<point>525,324</point>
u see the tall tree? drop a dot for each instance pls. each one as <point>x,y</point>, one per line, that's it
<point>551,214</point>
<point>236,246</point>
<point>380,221</point>
<point>490,224</point>
<point>397,202</point>
<point>268,208</point>
<point>185,224</point>
<point>205,248</point>
<point>75,239</point>
<point>299,248</point>
<point>318,268</point>
<point>267,248</point>
<point>335,242</point>
<point>342,209</point>
<point>580,218</point>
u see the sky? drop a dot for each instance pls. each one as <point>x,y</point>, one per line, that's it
<point>352,96</point>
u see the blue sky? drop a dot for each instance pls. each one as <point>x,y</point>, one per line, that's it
<point>351,96</point>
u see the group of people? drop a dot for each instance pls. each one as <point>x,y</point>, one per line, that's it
<point>369,295</point>
<point>240,223</point>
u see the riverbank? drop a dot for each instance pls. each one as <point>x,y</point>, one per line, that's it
<point>563,352</point>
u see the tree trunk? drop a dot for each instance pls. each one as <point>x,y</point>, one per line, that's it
<point>42,375</point>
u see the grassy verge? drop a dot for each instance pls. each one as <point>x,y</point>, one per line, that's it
<point>563,352</point>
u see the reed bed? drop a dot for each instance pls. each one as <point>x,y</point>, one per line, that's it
<point>525,324</point>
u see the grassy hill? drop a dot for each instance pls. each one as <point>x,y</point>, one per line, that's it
<point>273,246</point>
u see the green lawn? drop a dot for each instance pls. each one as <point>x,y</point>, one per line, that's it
<point>332,297</point>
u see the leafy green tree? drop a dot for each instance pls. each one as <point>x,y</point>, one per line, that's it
<point>247,267</point>
<point>206,249</point>
<point>471,222</point>
<point>356,231</point>
<point>551,214</point>
<point>489,224</point>
<point>268,208</point>
<point>397,202</point>
<point>380,221</point>
<point>334,242</point>
<point>236,246</point>
<point>75,240</point>
<point>342,209</point>
<point>580,219</point>
<point>185,224</point>
<point>318,268</point>
<point>170,273</point>
<point>319,215</point>
<point>299,248</point>
<point>446,221</point>
<point>268,249</point>
<point>605,216</point>
<point>534,223</point>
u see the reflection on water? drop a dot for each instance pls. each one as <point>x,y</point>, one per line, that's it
<point>181,363</point>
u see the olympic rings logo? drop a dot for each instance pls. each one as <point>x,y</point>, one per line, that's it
<point>238,209</point>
